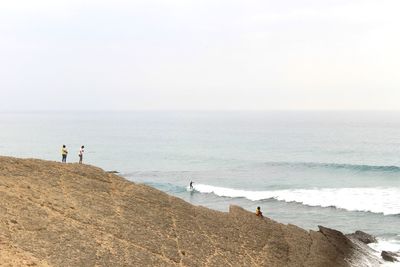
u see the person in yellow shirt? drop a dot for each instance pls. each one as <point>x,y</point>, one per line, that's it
<point>258,212</point>
<point>64,153</point>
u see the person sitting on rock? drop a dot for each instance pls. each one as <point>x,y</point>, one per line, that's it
<point>258,212</point>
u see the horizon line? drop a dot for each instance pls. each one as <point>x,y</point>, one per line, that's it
<point>196,110</point>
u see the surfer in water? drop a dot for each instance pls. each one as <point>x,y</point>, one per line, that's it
<point>191,185</point>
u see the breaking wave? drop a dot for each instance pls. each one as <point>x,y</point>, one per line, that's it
<point>376,200</point>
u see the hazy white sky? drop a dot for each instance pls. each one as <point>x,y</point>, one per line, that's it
<point>182,54</point>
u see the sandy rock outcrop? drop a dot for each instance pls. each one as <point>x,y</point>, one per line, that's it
<point>55,214</point>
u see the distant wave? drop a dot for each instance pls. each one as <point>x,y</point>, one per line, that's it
<point>377,200</point>
<point>339,166</point>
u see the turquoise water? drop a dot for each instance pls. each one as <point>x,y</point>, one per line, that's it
<point>337,169</point>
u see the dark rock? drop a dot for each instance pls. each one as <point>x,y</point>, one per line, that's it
<point>389,256</point>
<point>363,237</point>
<point>112,172</point>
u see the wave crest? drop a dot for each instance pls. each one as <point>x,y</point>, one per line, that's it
<point>377,200</point>
<point>339,166</point>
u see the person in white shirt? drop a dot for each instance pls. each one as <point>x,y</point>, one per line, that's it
<point>81,154</point>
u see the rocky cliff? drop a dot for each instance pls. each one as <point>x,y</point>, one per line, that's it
<point>55,214</point>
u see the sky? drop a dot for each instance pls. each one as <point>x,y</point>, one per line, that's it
<point>199,55</point>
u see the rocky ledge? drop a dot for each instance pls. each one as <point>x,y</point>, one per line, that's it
<point>55,214</point>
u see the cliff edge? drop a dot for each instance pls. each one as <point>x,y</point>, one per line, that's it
<point>55,214</point>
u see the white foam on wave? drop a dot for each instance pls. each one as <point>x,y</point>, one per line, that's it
<point>384,200</point>
<point>386,245</point>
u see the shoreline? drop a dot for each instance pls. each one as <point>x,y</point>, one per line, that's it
<point>375,248</point>
<point>80,215</point>
<point>305,217</point>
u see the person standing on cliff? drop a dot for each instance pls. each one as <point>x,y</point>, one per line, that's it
<point>81,154</point>
<point>64,153</point>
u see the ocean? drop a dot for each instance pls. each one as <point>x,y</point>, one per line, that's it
<point>339,169</point>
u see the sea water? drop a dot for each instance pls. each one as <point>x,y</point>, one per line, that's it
<point>308,168</point>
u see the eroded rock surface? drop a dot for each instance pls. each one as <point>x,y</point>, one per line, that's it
<point>55,214</point>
